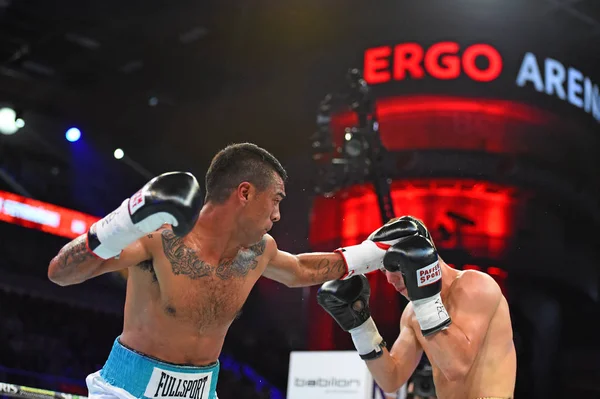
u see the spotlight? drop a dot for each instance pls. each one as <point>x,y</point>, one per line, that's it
<point>354,145</point>
<point>73,134</point>
<point>8,121</point>
<point>119,153</point>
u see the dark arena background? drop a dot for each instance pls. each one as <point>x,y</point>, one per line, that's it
<point>479,117</point>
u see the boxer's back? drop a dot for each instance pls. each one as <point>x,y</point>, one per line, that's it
<point>180,305</point>
<point>493,371</point>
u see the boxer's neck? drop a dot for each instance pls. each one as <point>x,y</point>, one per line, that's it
<point>216,229</point>
<point>449,275</point>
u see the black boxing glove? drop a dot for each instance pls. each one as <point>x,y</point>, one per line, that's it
<point>421,229</point>
<point>174,198</point>
<point>417,259</point>
<point>368,255</point>
<point>347,301</point>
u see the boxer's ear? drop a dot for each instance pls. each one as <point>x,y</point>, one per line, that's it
<point>244,191</point>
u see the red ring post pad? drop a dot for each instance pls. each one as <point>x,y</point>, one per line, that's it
<point>42,216</point>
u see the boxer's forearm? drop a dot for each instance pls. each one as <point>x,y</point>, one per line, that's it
<point>74,263</point>
<point>451,351</point>
<point>387,372</point>
<point>318,268</point>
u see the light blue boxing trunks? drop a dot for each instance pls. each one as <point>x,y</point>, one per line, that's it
<point>128,374</point>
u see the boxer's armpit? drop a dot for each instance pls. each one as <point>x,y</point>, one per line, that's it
<point>148,266</point>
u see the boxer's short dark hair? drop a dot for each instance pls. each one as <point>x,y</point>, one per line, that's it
<point>237,163</point>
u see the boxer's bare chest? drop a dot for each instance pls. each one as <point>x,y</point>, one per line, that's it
<point>204,293</point>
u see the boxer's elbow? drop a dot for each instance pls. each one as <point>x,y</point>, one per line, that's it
<point>295,281</point>
<point>61,274</point>
<point>291,279</point>
<point>389,386</point>
<point>62,280</point>
<point>391,382</point>
<point>55,275</point>
<point>62,283</point>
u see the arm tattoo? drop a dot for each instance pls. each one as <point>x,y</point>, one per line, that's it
<point>74,254</point>
<point>242,263</point>
<point>183,260</point>
<point>327,270</point>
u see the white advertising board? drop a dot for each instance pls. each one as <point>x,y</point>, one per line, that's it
<point>331,375</point>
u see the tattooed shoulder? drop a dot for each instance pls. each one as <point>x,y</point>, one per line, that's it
<point>245,261</point>
<point>259,248</point>
<point>183,260</point>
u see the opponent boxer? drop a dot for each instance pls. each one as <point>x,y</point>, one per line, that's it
<point>191,267</point>
<point>460,319</point>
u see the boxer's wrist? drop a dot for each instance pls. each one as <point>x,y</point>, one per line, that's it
<point>91,241</point>
<point>367,340</point>
<point>431,314</point>
<point>111,234</point>
<point>362,258</point>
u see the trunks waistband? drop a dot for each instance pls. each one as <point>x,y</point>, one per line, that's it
<point>146,377</point>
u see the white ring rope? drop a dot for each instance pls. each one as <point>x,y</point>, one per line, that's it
<point>19,391</point>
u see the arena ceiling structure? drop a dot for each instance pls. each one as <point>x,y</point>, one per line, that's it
<point>172,82</point>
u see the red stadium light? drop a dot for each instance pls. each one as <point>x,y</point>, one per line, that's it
<point>42,216</point>
<point>497,272</point>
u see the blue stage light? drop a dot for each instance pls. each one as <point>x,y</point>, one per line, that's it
<point>73,134</point>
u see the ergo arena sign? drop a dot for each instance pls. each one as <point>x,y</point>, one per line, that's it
<point>447,60</point>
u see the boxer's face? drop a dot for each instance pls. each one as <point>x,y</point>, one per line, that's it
<point>396,279</point>
<point>262,210</point>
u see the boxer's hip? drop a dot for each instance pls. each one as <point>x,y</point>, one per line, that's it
<point>142,376</point>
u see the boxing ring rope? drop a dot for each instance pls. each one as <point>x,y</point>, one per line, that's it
<point>20,391</point>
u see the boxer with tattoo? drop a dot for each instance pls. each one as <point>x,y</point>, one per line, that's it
<point>192,262</point>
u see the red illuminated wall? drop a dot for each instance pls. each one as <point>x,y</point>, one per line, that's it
<point>444,122</point>
<point>350,216</point>
<point>353,213</point>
